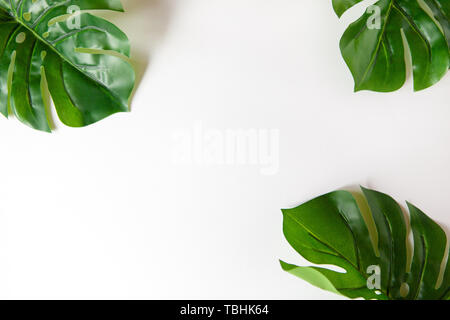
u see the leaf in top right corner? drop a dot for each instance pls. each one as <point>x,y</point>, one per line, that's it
<point>375,46</point>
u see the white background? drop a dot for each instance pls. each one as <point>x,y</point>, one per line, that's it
<point>103,212</point>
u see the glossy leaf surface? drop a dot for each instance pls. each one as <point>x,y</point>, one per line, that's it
<point>332,230</point>
<point>80,57</point>
<point>375,46</point>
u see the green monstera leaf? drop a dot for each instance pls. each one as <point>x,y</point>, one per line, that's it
<point>332,230</point>
<point>374,46</point>
<point>81,58</point>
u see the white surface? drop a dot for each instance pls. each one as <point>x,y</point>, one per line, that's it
<point>104,212</point>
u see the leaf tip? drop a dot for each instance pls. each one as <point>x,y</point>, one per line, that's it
<point>339,14</point>
<point>363,189</point>
<point>284,265</point>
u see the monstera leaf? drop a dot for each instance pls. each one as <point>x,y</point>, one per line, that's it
<point>78,56</point>
<point>332,230</point>
<point>374,46</point>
